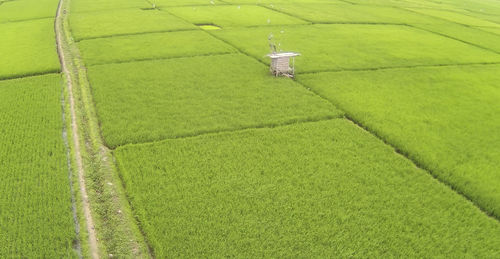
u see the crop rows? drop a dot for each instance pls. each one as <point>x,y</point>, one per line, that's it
<point>153,100</point>
<point>325,188</point>
<point>174,101</point>
<point>35,204</point>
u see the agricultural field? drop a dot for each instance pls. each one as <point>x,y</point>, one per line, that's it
<point>383,143</point>
<point>35,200</point>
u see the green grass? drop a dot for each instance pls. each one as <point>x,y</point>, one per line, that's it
<point>154,100</point>
<point>151,46</point>
<point>102,5</point>
<point>28,48</point>
<point>233,15</point>
<point>354,46</point>
<point>20,10</point>
<point>35,199</point>
<point>309,190</point>
<point>123,22</point>
<point>445,118</point>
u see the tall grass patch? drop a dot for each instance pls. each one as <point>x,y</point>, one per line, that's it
<point>28,48</point>
<point>355,46</point>
<point>151,46</point>
<point>306,190</point>
<point>153,100</point>
<point>123,22</point>
<point>444,118</point>
<point>35,198</point>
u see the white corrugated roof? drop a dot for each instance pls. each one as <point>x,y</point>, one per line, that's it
<point>283,54</point>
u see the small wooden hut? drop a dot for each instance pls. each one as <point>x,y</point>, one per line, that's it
<point>280,63</point>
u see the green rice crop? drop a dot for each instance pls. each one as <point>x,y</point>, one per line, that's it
<point>355,46</point>
<point>21,10</point>
<point>233,15</point>
<point>456,17</point>
<point>310,190</point>
<point>102,5</point>
<point>35,200</point>
<point>123,22</point>
<point>465,33</point>
<point>348,13</point>
<point>490,29</point>
<point>28,48</point>
<point>445,118</point>
<point>166,3</point>
<point>151,46</point>
<point>153,100</point>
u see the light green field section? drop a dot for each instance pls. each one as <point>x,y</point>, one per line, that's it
<point>301,191</point>
<point>154,100</point>
<point>470,35</point>
<point>490,29</point>
<point>348,13</point>
<point>124,22</point>
<point>355,46</point>
<point>20,10</point>
<point>169,3</point>
<point>28,48</point>
<point>151,46</point>
<point>35,199</point>
<point>456,17</point>
<point>102,5</point>
<point>234,15</point>
<point>271,3</point>
<point>444,118</point>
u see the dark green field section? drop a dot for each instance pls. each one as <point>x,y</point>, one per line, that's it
<point>153,100</point>
<point>27,48</point>
<point>151,46</point>
<point>307,190</point>
<point>21,10</point>
<point>124,22</point>
<point>35,200</point>
<point>79,6</point>
<point>234,15</point>
<point>445,118</point>
<point>357,46</point>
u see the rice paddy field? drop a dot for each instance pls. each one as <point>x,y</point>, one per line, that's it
<point>384,143</point>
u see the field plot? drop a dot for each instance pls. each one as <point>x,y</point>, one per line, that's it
<point>348,13</point>
<point>153,100</point>
<point>102,5</point>
<point>20,10</point>
<point>124,22</point>
<point>355,46</point>
<point>151,46</point>
<point>490,29</point>
<point>465,33</point>
<point>445,118</point>
<point>306,190</point>
<point>35,199</point>
<point>234,16</point>
<point>28,48</point>
<point>166,3</point>
<point>456,17</point>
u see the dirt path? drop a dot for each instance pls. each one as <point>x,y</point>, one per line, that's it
<point>81,179</point>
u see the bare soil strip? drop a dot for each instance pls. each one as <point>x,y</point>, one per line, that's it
<point>79,165</point>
